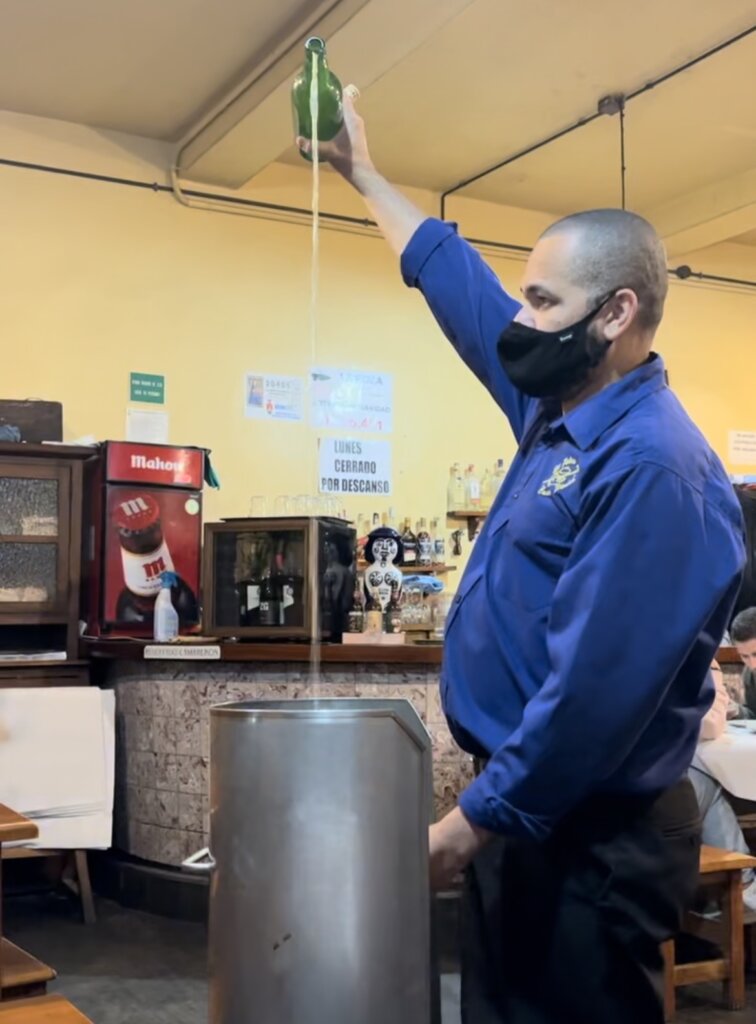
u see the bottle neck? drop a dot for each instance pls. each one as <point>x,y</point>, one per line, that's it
<point>313,58</point>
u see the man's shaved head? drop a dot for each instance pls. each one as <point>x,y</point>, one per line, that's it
<point>615,249</point>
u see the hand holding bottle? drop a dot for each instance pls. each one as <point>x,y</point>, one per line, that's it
<point>348,152</point>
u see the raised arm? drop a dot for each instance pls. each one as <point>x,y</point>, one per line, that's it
<point>464,295</point>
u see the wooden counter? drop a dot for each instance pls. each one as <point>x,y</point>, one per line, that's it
<point>330,654</point>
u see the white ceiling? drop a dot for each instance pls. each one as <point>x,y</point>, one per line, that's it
<point>505,74</point>
<point>697,128</point>
<point>450,87</point>
<point>146,67</point>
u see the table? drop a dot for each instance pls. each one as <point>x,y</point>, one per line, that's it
<point>731,759</point>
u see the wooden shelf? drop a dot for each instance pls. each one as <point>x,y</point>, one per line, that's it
<point>20,972</point>
<point>15,827</point>
<point>40,663</point>
<point>47,451</point>
<point>417,570</point>
<point>473,518</point>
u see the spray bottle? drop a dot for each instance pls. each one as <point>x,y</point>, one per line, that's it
<point>166,623</point>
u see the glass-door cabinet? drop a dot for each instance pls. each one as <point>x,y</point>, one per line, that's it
<point>278,578</point>
<point>40,548</point>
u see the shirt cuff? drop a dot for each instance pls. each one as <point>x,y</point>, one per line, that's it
<point>422,245</point>
<point>484,808</point>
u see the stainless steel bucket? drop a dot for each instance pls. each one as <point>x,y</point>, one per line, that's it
<point>319,891</point>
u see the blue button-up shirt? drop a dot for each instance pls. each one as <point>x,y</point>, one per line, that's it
<point>578,646</point>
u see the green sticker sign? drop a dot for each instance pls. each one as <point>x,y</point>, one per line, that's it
<point>148,387</point>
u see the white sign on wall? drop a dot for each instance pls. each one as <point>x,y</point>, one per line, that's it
<point>146,427</point>
<point>352,400</point>
<point>743,447</point>
<point>271,397</point>
<point>354,467</point>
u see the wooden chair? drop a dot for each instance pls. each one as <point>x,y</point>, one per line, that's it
<point>746,814</point>
<point>75,874</point>
<point>723,870</point>
<point>20,973</point>
<point>43,1010</point>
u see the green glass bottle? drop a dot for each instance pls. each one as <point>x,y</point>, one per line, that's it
<point>330,111</point>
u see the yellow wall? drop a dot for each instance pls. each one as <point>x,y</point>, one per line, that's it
<point>98,281</point>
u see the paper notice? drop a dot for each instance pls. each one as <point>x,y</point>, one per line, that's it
<point>147,427</point>
<point>743,447</point>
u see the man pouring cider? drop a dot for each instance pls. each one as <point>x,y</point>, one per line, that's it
<point>579,837</point>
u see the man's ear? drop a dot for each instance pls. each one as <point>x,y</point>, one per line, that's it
<point>620,311</point>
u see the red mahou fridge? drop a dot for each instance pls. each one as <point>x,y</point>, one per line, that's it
<point>144,516</point>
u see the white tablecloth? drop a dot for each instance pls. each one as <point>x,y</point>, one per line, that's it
<point>731,759</point>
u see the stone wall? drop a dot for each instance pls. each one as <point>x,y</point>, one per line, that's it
<point>163,738</point>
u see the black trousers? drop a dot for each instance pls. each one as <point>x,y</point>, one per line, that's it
<point>568,931</point>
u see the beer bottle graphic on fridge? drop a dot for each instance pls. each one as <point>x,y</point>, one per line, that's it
<point>145,556</point>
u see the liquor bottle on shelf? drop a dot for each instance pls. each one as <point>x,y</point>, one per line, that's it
<point>472,488</point>
<point>392,617</point>
<point>249,590</point>
<point>356,615</point>
<point>330,116</point>
<point>486,491</point>
<point>450,489</point>
<point>455,490</point>
<point>498,478</point>
<point>391,520</point>
<point>409,543</point>
<point>363,529</point>
<point>291,587</point>
<point>373,614</point>
<point>376,521</point>
<point>424,545</point>
<point>439,543</point>
<point>270,597</point>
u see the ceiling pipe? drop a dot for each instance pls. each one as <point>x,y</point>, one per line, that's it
<point>298,215</point>
<point>588,119</point>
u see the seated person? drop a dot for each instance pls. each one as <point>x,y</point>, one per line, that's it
<point>743,634</point>
<point>720,826</point>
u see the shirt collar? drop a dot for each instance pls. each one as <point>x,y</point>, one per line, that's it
<point>586,423</point>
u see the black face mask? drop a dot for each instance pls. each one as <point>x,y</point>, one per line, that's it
<point>551,364</point>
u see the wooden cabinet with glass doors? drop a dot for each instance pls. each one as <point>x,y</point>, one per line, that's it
<point>40,555</point>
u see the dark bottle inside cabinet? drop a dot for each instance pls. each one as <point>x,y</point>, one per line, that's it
<point>278,578</point>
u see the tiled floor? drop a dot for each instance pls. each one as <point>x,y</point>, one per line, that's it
<point>133,968</point>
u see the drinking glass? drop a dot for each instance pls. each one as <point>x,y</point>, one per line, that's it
<point>258,506</point>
